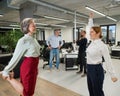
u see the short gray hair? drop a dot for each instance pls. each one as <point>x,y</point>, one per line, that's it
<point>25,24</point>
<point>57,30</point>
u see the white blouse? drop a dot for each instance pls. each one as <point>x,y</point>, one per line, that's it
<point>95,51</point>
<point>27,46</point>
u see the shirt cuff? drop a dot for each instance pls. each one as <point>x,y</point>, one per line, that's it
<point>5,73</point>
<point>113,75</point>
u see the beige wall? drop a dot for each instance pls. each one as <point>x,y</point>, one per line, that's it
<point>48,32</point>
<point>66,34</point>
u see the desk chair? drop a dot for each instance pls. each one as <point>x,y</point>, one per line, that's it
<point>46,55</point>
<point>2,67</point>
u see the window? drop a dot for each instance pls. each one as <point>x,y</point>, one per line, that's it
<point>104,33</point>
<point>108,32</point>
<point>112,30</point>
<point>40,34</point>
<point>78,30</point>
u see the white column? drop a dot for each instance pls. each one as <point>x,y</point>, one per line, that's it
<point>75,26</point>
<point>117,32</point>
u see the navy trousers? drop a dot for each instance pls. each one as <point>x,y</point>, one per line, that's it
<point>95,78</point>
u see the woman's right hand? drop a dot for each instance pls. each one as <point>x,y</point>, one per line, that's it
<point>114,79</point>
<point>5,77</point>
<point>11,75</point>
<point>91,15</point>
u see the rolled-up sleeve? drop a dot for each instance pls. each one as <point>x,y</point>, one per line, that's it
<point>18,53</point>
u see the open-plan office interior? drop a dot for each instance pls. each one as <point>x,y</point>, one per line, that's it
<point>71,17</point>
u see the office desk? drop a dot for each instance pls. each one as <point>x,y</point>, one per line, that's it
<point>115,52</point>
<point>70,61</point>
<point>5,58</point>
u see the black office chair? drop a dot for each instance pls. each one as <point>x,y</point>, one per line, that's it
<point>4,62</point>
<point>46,55</point>
<point>2,67</point>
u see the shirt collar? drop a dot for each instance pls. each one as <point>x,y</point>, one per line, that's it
<point>55,35</point>
<point>96,40</point>
<point>29,36</point>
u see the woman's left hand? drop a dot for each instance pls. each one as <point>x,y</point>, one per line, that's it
<point>114,79</point>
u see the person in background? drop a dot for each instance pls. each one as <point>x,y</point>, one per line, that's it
<point>82,43</point>
<point>95,72</point>
<point>86,44</point>
<point>63,41</point>
<point>63,46</point>
<point>26,47</point>
<point>74,45</point>
<point>54,43</point>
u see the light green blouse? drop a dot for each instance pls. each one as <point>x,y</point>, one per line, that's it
<point>27,46</point>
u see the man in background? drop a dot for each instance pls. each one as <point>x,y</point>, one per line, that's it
<point>54,43</point>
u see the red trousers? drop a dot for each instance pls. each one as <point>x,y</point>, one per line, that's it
<point>28,74</point>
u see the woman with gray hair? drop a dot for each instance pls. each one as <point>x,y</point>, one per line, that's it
<point>28,48</point>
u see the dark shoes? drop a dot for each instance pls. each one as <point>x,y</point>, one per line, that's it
<point>79,72</point>
<point>57,68</point>
<point>83,75</point>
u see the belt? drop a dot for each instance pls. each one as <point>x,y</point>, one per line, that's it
<point>54,48</point>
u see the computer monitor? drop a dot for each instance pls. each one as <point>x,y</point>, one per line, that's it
<point>118,43</point>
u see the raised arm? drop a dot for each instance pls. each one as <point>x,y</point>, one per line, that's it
<point>90,21</point>
<point>89,25</point>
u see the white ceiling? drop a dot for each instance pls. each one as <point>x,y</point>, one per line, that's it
<point>108,7</point>
<point>79,5</point>
<point>63,9</point>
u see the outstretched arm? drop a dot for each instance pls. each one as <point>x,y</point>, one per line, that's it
<point>19,52</point>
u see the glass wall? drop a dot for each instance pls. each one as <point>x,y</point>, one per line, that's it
<point>78,30</point>
<point>109,32</point>
<point>40,35</point>
<point>104,33</point>
<point>112,33</point>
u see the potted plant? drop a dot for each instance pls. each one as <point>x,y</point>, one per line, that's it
<point>9,39</point>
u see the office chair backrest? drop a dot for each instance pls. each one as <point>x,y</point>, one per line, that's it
<point>45,53</point>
